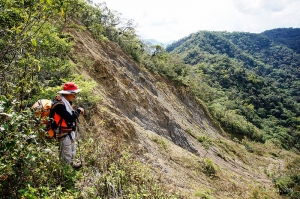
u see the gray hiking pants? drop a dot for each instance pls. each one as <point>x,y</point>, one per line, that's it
<point>68,149</point>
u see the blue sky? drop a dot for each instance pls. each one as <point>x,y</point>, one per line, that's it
<point>166,20</point>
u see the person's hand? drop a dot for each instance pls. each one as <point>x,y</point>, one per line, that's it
<point>81,110</point>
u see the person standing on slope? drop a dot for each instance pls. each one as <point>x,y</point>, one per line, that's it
<point>65,117</point>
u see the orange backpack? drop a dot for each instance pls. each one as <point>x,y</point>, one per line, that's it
<point>42,109</point>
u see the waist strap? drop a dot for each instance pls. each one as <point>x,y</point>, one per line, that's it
<point>62,136</point>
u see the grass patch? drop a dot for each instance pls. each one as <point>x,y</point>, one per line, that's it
<point>209,167</point>
<point>204,194</point>
<point>113,172</point>
<point>160,141</point>
<point>189,131</point>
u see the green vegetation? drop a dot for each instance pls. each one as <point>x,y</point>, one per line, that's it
<point>209,167</point>
<point>206,142</point>
<point>204,194</point>
<point>249,84</point>
<point>118,173</point>
<point>160,141</point>
<point>248,81</point>
<point>34,54</point>
<point>35,62</point>
<point>288,183</point>
<point>286,36</point>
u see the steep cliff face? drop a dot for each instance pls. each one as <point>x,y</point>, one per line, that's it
<point>138,96</point>
<point>162,122</point>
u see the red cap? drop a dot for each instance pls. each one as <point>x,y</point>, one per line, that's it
<point>69,88</point>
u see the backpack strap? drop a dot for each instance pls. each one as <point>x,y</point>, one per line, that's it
<point>69,134</point>
<point>57,101</point>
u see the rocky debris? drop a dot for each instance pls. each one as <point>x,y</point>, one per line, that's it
<point>137,100</point>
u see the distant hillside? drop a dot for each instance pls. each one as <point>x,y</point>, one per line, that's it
<point>155,42</point>
<point>256,75</point>
<point>152,42</point>
<point>286,36</point>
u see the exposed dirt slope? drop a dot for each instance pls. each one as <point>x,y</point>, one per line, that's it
<point>163,121</point>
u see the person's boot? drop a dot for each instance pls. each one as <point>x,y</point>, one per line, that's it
<point>76,166</point>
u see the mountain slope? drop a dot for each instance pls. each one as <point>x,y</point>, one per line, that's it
<point>286,36</point>
<point>168,128</point>
<point>256,76</point>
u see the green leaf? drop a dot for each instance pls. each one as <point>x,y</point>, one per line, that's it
<point>37,62</point>
<point>22,191</point>
<point>33,41</point>
<point>62,12</point>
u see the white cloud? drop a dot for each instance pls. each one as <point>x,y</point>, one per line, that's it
<point>260,6</point>
<point>166,20</point>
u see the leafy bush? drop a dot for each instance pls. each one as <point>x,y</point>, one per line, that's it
<point>235,123</point>
<point>29,166</point>
<point>209,167</point>
<point>33,50</point>
<point>34,55</point>
<point>206,141</point>
<point>247,145</point>
<point>284,184</point>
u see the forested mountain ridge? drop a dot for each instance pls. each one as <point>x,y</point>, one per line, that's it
<point>286,36</point>
<point>258,74</point>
